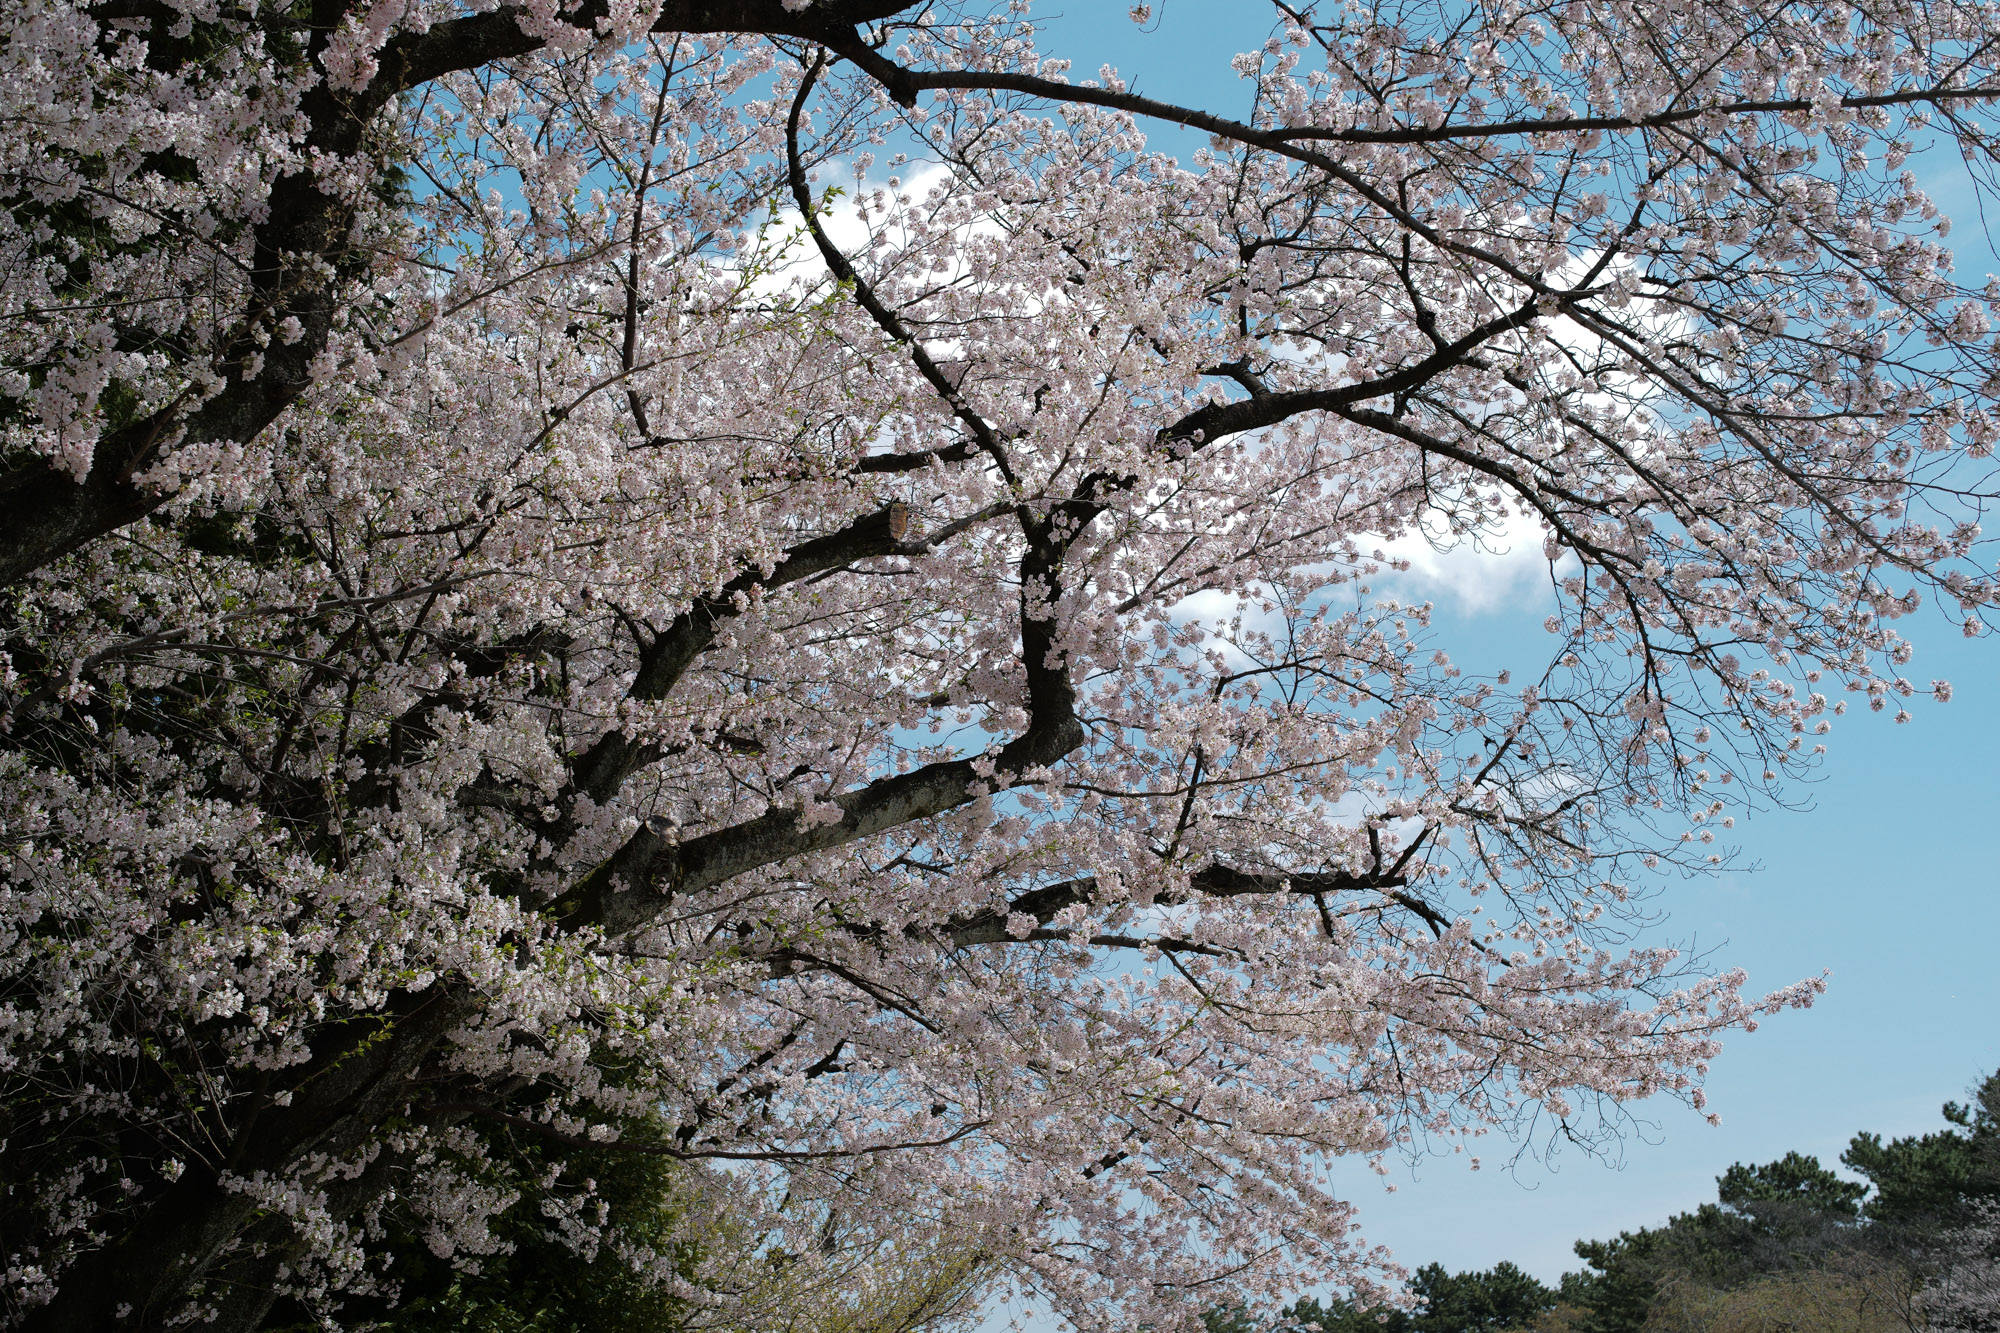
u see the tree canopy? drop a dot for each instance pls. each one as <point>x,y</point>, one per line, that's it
<point>779,572</point>
<point>1790,1241</point>
<point>1787,1247</point>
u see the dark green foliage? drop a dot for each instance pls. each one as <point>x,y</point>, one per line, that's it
<point>1502,1297</point>
<point>1925,1181</point>
<point>1793,1181</point>
<point>1778,1227</point>
<point>1773,1218</point>
<point>1618,1286</point>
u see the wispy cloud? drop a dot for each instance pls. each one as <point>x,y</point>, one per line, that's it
<point>1499,569</point>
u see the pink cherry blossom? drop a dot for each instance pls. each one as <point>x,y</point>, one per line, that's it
<point>801,576</point>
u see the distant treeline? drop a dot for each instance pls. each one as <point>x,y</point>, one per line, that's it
<point>1786,1246</point>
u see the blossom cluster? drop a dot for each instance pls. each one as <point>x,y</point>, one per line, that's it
<point>815,594</point>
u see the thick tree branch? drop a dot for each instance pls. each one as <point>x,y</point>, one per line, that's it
<point>603,769</point>
<point>1213,881</point>
<point>303,258</point>
<point>636,883</point>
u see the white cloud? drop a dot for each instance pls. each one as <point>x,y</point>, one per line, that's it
<point>1499,569</point>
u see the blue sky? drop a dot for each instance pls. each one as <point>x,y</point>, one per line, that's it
<point>1886,879</point>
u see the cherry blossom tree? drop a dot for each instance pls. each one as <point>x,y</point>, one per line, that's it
<point>1962,1294</point>
<point>794,587</point>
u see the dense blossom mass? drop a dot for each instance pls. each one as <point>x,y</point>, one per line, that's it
<point>802,588</point>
